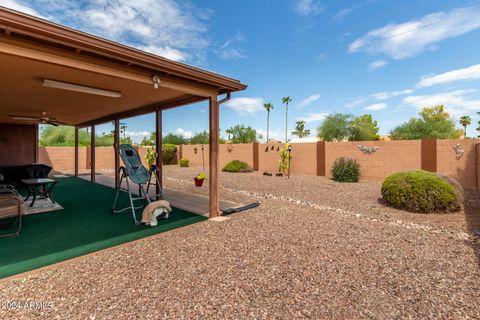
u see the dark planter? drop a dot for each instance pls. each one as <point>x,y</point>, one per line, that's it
<point>198,182</point>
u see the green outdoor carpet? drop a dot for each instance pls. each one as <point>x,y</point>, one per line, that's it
<point>84,226</point>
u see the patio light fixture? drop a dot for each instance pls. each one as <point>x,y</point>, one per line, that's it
<point>80,88</point>
<point>156,81</point>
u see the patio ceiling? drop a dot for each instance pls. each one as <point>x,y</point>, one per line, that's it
<point>33,50</point>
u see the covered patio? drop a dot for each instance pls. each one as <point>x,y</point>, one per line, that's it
<point>52,74</point>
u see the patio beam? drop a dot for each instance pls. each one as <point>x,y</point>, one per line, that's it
<point>173,103</point>
<point>213,156</point>
<point>116,143</point>
<point>167,81</point>
<point>92,154</point>
<point>76,152</point>
<point>159,149</point>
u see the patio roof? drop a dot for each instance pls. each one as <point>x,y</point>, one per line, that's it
<point>33,50</point>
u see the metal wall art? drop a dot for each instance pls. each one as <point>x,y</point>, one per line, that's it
<point>367,150</point>
<point>458,151</point>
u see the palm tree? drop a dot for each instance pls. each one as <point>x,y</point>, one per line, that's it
<point>286,100</point>
<point>300,130</point>
<point>268,107</point>
<point>465,121</point>
<point>229,132</point>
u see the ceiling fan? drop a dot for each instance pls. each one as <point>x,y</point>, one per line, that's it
<point>43,119</point>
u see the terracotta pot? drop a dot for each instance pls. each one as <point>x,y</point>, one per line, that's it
<point>198,182</point>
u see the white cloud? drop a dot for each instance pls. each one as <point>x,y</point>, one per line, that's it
<point>173,29</point>
<point>230,49</point>
<point>273,135</point>
<point>377,64</point>
<point>166,52</point>
<point>137,136</point>
<point>455,102</point>
<point>376,106</point>
<point>18,6</point>
<point>308,7</point>
<point>245,105</point>
<point>470,73</point>
<point>355,102</point>
<point>307,101</point>
<point>184,133</point>
<point>313,117</point>
<point>390,94</point>
<point>408,39</point>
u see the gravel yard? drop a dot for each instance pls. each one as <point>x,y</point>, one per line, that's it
<point>313,249</point>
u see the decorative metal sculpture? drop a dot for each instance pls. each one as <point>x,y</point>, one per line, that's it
<point>367,150</point>
<point>458,152</point>
<point>230,148</point>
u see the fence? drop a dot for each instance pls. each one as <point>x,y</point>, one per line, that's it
<point>457,158</point>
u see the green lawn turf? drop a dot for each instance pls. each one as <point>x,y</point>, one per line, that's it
<point>84,225</point>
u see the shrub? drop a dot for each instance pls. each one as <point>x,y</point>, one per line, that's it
<point>346,170</point>
<point>184,163</point>
<point>237,166</point>
<point>422,191</point>
<point>169,153</point>
<point>150,157</point>
<point>201,176</point>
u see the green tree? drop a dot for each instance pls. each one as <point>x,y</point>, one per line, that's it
<point>433,123</point>
<point>268,107</point>
<point>478,128</point>
<point>363,128</point>
<point>200,138</point>
<point>300,130</point>
<point>286,100</point>
<point>465,121</point>
<point>242,134</point>
<point>172,138</point>
<point>335,127</point>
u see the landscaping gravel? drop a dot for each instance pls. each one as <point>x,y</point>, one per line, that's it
<point>313,249</point>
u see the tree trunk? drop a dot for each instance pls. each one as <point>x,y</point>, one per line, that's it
<point>464,131</point>
<point>268,124</point>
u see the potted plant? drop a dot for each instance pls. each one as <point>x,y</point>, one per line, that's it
<point>199,179</point>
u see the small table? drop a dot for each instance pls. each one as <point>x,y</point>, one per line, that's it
<point>39,187</point>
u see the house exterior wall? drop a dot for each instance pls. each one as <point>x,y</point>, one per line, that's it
<point>17,144</point>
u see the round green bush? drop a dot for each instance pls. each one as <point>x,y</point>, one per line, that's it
<point>346,170</point>
<point>237,166</point>
<point>169,153</point>
<point>184,163</point>
<point>422,191</point>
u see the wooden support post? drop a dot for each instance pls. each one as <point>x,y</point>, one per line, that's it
<point>76,152</point>
<point>35,156</point>
<point>255,147</point>
<point>158,148</point>
<point>213,159</point>
<point>116,144</point>
<point>92,154</point>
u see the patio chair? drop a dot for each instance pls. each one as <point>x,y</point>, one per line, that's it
<point>135,172</point>
<point>12,207</point>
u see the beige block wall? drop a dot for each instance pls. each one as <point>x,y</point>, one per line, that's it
<point>268,158</point>
<point>463,169</point>
<point>391,156</point>
<point>478,166</point>
<point>194,154</point>
<point>62,158</point>
<point>104,158</point>
<point>227,153</point>
<point>304,158</point>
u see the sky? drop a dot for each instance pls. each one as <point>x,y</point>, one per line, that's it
<point>386,58</point>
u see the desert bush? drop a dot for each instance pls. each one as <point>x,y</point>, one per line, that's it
<point>184,163</point>
<point>169,153</point>
<point>237,166</point>
<point>150,157</point>
<point>422,191</point>
<point>346,170</point>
